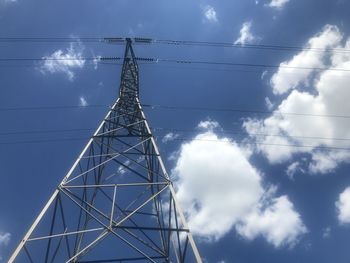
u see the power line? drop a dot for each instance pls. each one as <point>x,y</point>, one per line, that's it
<point>53,107</point>
<point>222,69</point>
<point>43,141</point>
<point>225,132</point>
<point>175,130</point>
<point>51,40</point>
<point>271,144</point>
<point>45,131</point>
<point>220,63</point>
<point>138,40</point>
<point>164,130</point>
<point>189,139</point>
<point>44,58</point>
<point>216,63</point>
<point>230,45</point>
<point>248,46</point>
<point>155,106</point>
<point>157,60</point>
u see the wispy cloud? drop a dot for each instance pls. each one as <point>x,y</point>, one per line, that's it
<point>170,137</point>
<point>121,169</point>
<point>64,61</point>
<point>278,4</point>
<point>326,232</point>
<point>4,241</point>
<point>208,125</point>
<point>83,102</point>
<point>293,168</point>
<point>7,1</point>
<point>268,103</point>
<point>246,36</point>
<point>210,14</point>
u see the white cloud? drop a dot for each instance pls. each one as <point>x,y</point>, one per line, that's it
<point>246,36</point>
<point>4,241</point>
<point>326,162</point>
<point>7,1</point>
<point>83,102</point>
<point>220,190</point>
<point>263,75</point>
<point>96,60</point>
<point>65,62</point>
<point>268,103</point>
<point>278,4</point>
<point>100,84</point>
<point>289,77</point>
<point>170,137</point>
<point>279,223</point>
<point>326,232</point>
<point>208,125</point>
<point>343,206</point>
<point>292,169</point>
<point>210,14</point>
<point>121,169</point>
<point>318,93</point>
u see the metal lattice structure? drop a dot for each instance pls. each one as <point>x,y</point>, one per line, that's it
<point>117,202</point>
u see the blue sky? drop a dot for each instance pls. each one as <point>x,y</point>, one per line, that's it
<point>248,197</point>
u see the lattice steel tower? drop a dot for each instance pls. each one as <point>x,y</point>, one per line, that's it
<point>116,203</point>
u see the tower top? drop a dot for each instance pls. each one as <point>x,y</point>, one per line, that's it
<point>129,83</point>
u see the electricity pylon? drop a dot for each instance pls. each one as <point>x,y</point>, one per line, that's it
<point>117,202</point>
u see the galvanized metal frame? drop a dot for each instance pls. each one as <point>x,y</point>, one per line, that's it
<point>149,222</point>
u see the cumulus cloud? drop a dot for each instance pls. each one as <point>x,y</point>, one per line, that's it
<point>64,61</point>
<point>278,223</point>
<point>209,14</point>
<point>220,190</point>
<point>170,137</point>
<point>289,76</point>
<point>343,206</point>
<point>246,36</point>
<point>278,4</point>
<point>318,93</point>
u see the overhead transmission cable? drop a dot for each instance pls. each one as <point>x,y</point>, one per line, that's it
<point>52,40</point>
<point>54,107</point>
<point>163,130</point>
<point>239,109</point>
<point>142,40</point>
<point>189,139</point>
<point>177,61</point>
<point>222,63</point>
<point>233,45</point>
